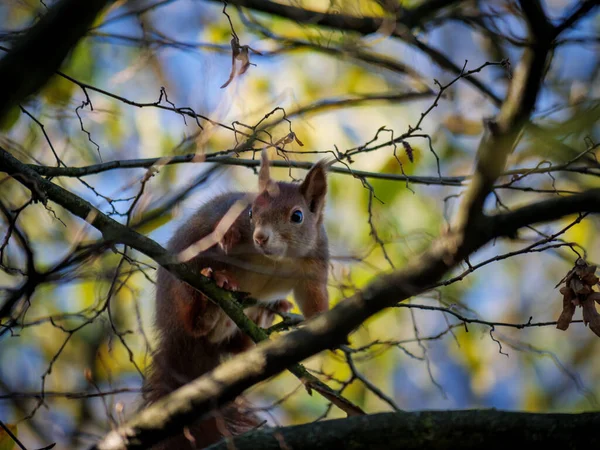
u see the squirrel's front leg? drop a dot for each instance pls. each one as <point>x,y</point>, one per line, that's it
<point>311,295</point>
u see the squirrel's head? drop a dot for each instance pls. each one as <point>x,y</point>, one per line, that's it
<point>287,217</point>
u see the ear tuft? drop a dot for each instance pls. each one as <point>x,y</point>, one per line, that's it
<point>264,177</point>
<point>314,186</point>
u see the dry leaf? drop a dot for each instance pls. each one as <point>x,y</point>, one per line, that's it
<point>409,151</point>
<point>578,291</point>
<point>567,313</point>
<point>239,53</point>
<point>595,296</point>
<point>591,316</point>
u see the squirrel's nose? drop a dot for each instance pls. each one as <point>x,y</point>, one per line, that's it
<point>261,238</point>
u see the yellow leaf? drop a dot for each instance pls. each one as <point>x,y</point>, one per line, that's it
<point>7,442</point>
<point>155,223</point>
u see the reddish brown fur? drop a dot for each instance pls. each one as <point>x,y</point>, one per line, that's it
<point>194,335</point>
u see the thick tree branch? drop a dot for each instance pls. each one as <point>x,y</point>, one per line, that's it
<point>507,224</point>
<point>536,18</point>
<point>503,132</point>
<point>474,429</point>
<point>40,52</point>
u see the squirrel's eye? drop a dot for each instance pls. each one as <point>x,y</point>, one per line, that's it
<point>297,216</point>
<point>250,213</point>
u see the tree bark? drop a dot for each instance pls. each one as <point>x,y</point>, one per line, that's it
<point>472,429</point>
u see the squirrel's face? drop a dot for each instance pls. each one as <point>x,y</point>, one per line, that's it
<point>284,226</point>
<point>286,217</point>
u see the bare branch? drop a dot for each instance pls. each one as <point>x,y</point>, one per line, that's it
<point>582,10</point>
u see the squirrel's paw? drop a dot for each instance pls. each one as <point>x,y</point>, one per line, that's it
<point>260,315</point>
<point>221,326</point>
<point>281,306</point>
<point>230,239</point>
<point>263,315</point>
<point>223,278</point>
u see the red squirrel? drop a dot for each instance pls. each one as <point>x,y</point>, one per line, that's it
<point>275,245</point>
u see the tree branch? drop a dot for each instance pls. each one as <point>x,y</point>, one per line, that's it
<point>537,20</point>
<point>231,161</point>
<point>458,180</point>
<point>40,52</point>
<point>503,132</point>
<point>583,9</point>
<point>472,429</point>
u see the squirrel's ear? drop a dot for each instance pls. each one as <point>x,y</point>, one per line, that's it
<point>314,186</point>
<point>264,176</point>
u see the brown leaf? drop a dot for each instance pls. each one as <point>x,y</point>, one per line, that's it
<point>567,313</point>
<point>579,288</point>
<point>582,269</point>
<point>409,151</point>
<point>235,51</point>
<point>590,279</point>
<point>591,316</point>
<point>244,58</point>
<point>567,292</point>
<point>231,75</point>
<point>595,296</point>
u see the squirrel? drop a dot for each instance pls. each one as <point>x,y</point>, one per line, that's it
<point>267,244</point>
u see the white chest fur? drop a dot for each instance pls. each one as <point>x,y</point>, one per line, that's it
<point>267,279</point>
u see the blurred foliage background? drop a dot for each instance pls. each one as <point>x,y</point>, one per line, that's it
<point>71,366</point>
